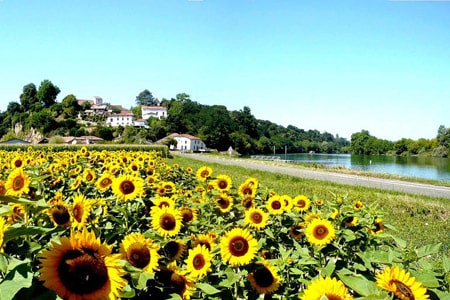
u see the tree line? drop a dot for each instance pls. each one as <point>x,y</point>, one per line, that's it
<point>218,127</point>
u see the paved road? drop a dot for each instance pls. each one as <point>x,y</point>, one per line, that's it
<point>384,184</point>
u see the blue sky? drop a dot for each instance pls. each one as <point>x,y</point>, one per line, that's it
<point>335,66</point>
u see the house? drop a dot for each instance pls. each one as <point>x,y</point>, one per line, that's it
<point>98,107</point>
<point>186,142</point>
<point>88,139</point>
<point>153,112</point>
<point>15,141</point>
<point>124,118</point>
<point>141,123</point>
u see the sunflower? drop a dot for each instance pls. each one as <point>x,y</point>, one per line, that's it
<point>297,231</point>
<point>311,216</point>
<point>80,267</point>
<point>208,240</point>
<point>274,205</point>
<point>357,206</point>
<point>203,173</point>
<point>247,189</point>
<point>301,203</point>
<point>319,202</point>
<point>89,176</point>
<point>2,188</point>
<point>224,202</point>
<point>59,213</point>
<point>76,183</point>
<point>248,201</point>
<point>188,214</point>
<point>287,202</point>
<point>140,252</point>
<point>326,288</point>
<point>163,201</point>
<point>350,221</point>
<point>17,162</point>
<point>401,284</point>
<point>3,227</point>
<point>223,183</point>
<point>198,262</point>
<point>379,226</point>
<point>17,183</point>
<point>174,249</point>
<point>127,187</point>
<point>80,211</point>
<point>238,247</point>
<point>256,218</point>
<point>166,221</point>
<point>320,232</point>
<point>265,279</point>
<point>104,182</point>
<point>175,281</point>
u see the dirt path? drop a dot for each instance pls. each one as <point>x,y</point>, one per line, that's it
<point>384,184</point>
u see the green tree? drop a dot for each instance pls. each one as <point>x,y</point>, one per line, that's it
<point>358,142</point>
<point>43,121</point>
<point>145,98</point>
<point>28,98</point>
<point>137,111</point>
<point>106,133</point>
<point>47,93</point>
<point>70,106</point>
<point>443,136</point>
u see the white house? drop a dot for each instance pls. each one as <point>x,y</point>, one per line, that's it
<point>124,118</point>
<point>153,112</point>
<point>187,142</point>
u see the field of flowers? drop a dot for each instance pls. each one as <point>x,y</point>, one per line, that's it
<point>95,223</point>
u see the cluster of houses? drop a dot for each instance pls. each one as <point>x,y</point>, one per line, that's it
<point>124,117</point>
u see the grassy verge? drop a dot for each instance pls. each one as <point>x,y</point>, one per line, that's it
<point>417,219</point>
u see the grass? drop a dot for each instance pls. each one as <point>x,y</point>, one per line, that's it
<point>417,219</point>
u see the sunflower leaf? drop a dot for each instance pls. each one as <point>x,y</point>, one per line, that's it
<point>16,279</point>
<point>428,250</point>
<point>359,284</point>
<point>14,232</point>
<point>207,289</point>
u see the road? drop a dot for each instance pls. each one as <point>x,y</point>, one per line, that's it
<point>348,179</point>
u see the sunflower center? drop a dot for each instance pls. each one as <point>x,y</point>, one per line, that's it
<point>82,271</point>
<point>172,248</point>
<point>222,184</point>
<point>89,177</point>
<point>256,218</point>
<point>198,262</point>
<point>105,182</point>
<point>78,213</point>
<point>333,296</point>
<point>18,183</point>
<point>168,222</point>
<point>60,215</point>
<point>138,255</point>
<point>239,246</point>
<point>247,191</point>
<point>402,290</point>
<point>276,204</point>
<point>247,202</point>
<point>18,163</point>
<point>127,187</point>
<point>301,203</point>
<point>204,174</point>
<point>178,283</point>
<point>263,277</point>
<point>320,232</point>
<point>187,215</point>
<point>223,203</point>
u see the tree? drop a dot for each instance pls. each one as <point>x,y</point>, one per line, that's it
<point>28,98</point>
<point>43,121</point>
<point>358,142</point>
<point>145,98</point>
<point>106,133</point>
<point>70,106</point>
<point>47,93</point>
<point>137,112</point>
<point>443,136</point>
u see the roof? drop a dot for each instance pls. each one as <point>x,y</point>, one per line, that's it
<point>146,107</point>
<point>123,114</point>
<point>185,135</point>
<point>15,141</point>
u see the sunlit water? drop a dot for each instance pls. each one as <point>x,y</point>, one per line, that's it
<point>421,167</point>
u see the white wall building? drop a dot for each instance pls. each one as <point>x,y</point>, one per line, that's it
<point>153,112</point>
<point>187,142</point>
<point>124,118</point>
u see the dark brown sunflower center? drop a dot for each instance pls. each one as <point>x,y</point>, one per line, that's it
<point>247,191</point>
<point>223,203</point>
<point>403,290</point>
<point>178,283</point>
<point>301,203</point>
<point>138,255</point>
<point>333,296</point>
<point>60,214</point>
<point>18,163</point>
<point>256,217</point>
<point>263,277</point>
<point>222,184</point>
<point>320,232</point>
<point>247,202</point>
<point>172,248</point>
<point>18,183</point>
<point>204,174</point>
<point>82,271</point>
<point>127,187</point>
<point>238,246</point>
<point>187,215</point>
<point>134,168</point>
<point>168,222</point>
<point>105,182</point>
<point>276,204</point>
<point>89,177</point>
<point>198,262</point>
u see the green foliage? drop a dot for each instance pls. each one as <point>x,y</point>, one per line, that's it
<point>145,98</point>
<point>47,93</point>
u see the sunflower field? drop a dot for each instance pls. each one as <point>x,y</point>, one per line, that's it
<point>91,223</point>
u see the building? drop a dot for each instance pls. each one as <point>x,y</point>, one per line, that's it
<point>153,112</point>
<point>124,118</point>
<point>186,142</point>
<point>88,139</point>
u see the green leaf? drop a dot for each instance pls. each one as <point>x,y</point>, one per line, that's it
<point>143,278</point>
<point>359,284</point>
<point>428,250</point>
<point>446,263</point>
<point>127,292</point>
<point>14,232</point>
<point>427,278</point>
<point>18,278</point>
<point>207,289</point>
<point>329,268</point>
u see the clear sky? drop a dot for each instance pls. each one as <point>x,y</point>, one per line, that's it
<point>338,66</point>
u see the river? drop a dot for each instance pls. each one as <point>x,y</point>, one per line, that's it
<point>435,168</point>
